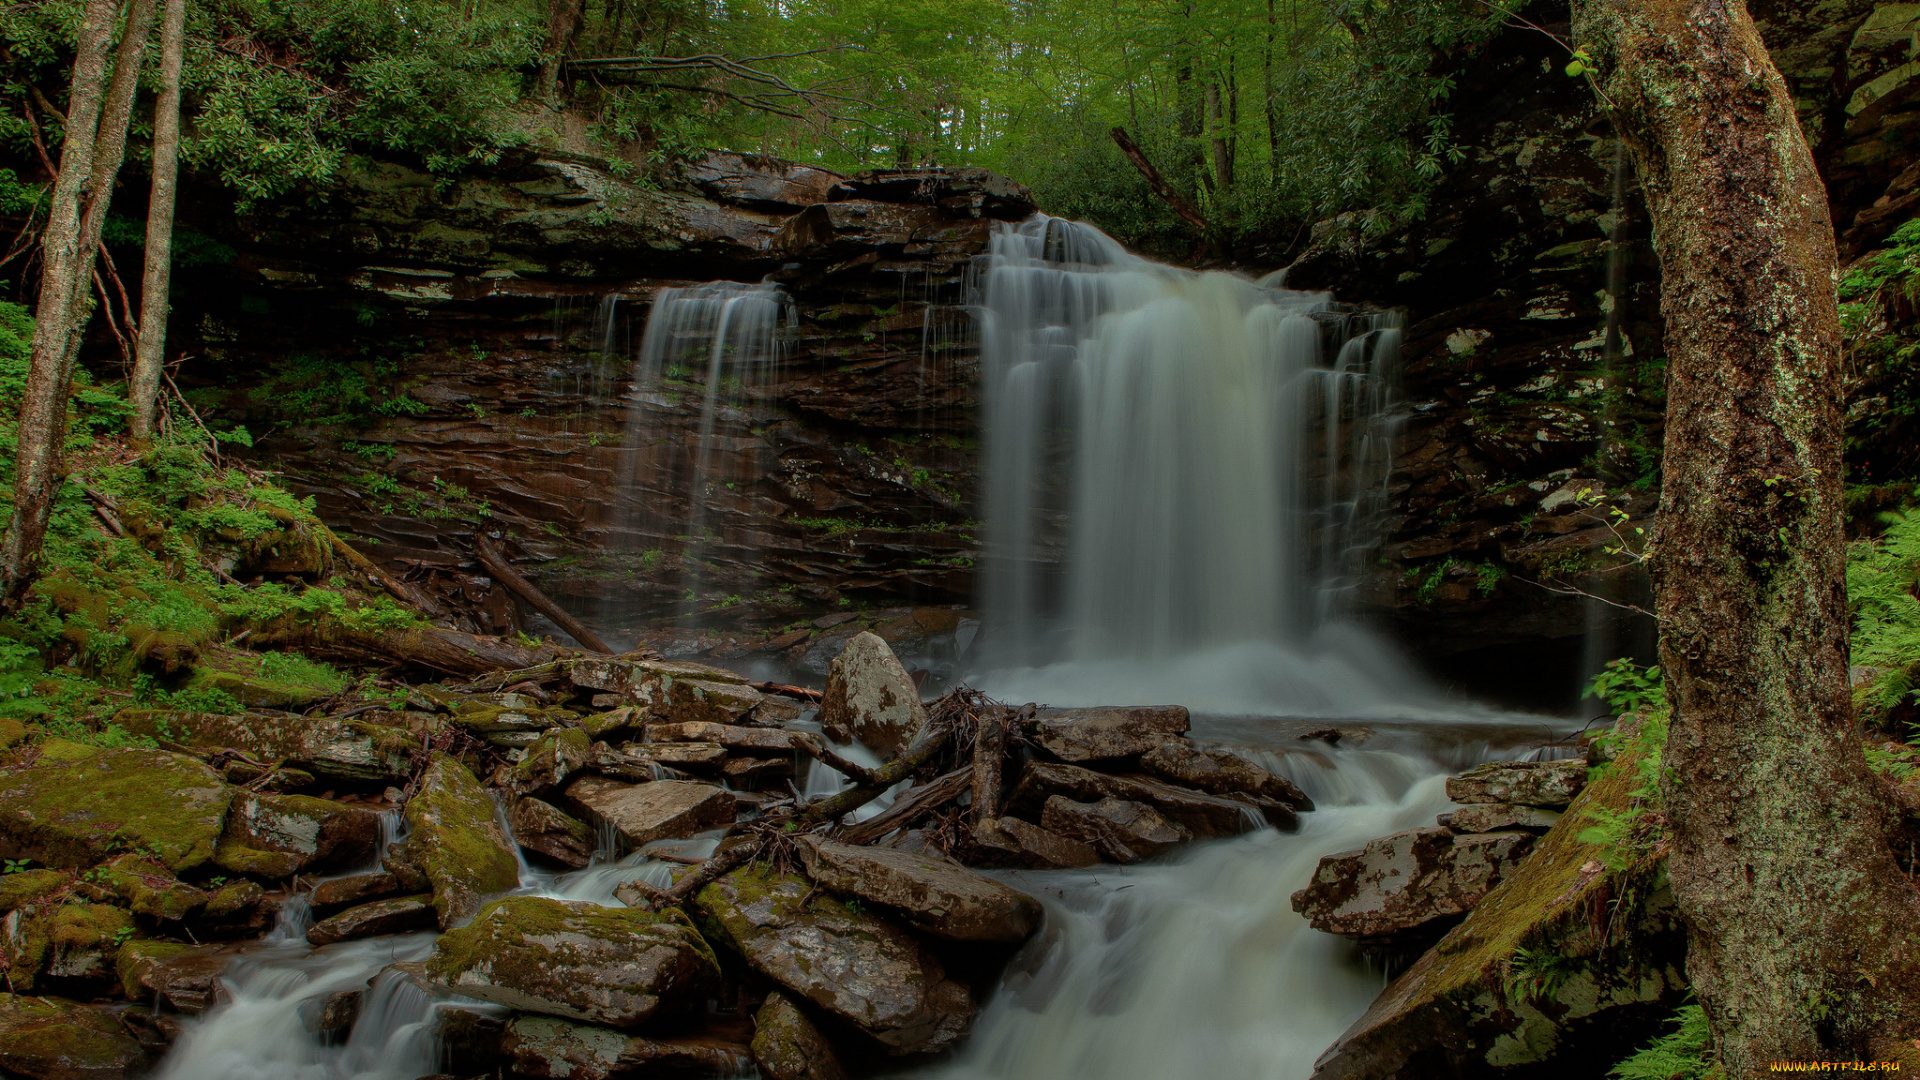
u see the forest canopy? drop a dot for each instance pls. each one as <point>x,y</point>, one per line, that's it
<point>1257,111</point>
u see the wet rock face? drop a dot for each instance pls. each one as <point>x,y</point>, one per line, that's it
<point>870,698</point>
<point>1494,817</point>
<point>671,692</point>
<point>550,762</point>
<point>1105,733</point>
<point>396,916</point>
<point>278,836</point>
<point>543,828</point>
<point>457,844</point>
<point>1549,785</point>
<point>186,977</point>
<point>358,889</point>
<point>49,1039</point>
<point>849,965</point>
<point>1200,814</point>
<point>1013,842</point>
<point>544,1046</point>
<point>579,961</point>
<point>75,804</point>
<point>659,810</point>
<point>1121,831</point>
<point>1400,885</point>
<point>1220,773</point>
<point>348,749</point>
<point>787,1046</point>
<point>933,894</point>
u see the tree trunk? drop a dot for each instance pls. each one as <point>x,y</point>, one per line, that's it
<point>563,25</point>
<point>150,354</point>
<point>43,406</point>
<point>1217,122</point>
<point>1800,922</point>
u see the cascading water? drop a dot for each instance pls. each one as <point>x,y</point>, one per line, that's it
<point>712,344</point>
<point>1177,473</point>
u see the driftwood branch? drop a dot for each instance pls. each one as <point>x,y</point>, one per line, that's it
<point>1157,182</point>
<point>911,804</point>
<point>496,564</point>
<point>784,690</point>
<point>989,747</point>
<point>819,751</point>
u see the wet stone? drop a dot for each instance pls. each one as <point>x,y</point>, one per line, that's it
<point>546,1046</point>
<point>457,843</point>
<point>1220,772</point>
<point>1401,885</point>
<point>661,810</point>
<point>358,889</point>
<point>543,828</point>
<point>787,1046</point>
<point>933,894</point>
<point>49,1039</point>
<point>397,916</point>
<point>1121,831</point>
<point>870,698</point>
<point>1107,732</point>
<point>1012,842</point>
<point>1203,815</point>
<point>278,836</point>
<point>75,805</point>
<point>1494,817</point>
<point>579,961</point>
<point>1550,785</point>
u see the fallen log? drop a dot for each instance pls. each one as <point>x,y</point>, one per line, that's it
<point>416,599</point>
<point>785,690</point>
<point>989,747</point>
<point>451,652</point>
<point>819,751</point>
<point>911,804</point>
<point>496,566</point>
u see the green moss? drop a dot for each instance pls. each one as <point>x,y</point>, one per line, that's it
<point>509,937</point>
<point>234,898</point>
<point>22,888</point>
<point>72,810</point>
<point>456,840</point>
<point>140,956</point>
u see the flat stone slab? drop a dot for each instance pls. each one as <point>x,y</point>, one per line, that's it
<point>1496,817</point>
<point>1201,814</point>
<point>1405,882</point>
<point>358,889</point>
<point>397,916</point>
<point>351,749</point>
<point>766,742</point>
<point>579,961</point>
<point>50,1039</point>
<point>1121,831</point>
<point>1220,772</point>
<point>1550,785</point>
<point>848,964</point>
<point>659,810</point>
<point>1010,841</point>
<point>640,762</point>
<point>549,1046</point>
<point>76,805</point>
<point>932,893</point>
<point>670,691</point>
<point>1107,732</point>
<point>278,836</point>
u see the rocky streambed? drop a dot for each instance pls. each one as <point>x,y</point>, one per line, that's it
<point>597,867</point>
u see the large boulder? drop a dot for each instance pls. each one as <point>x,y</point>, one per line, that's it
<point>75,805</point>
<point>75,940</point>
<point>1577,954</point>
<point>1121,831</point>
<point>659,810</point>
<point>544,1046</point>
<point>457,843</point>
<point>1107,732</point>
<point>186,977</point>
<point>349,749</point>
<point>1220,772</point>
<point>580,961</point>
<point>1547,784</point>
<point>46,1038</point>
<point>1201,814</point>
<point>932,893</point>
<point>278,836</point>
<point>1399,886</point>
<point>870,698</point>
<point>670,691</point>
<point>787,1046</point>
<point>399,915</point>
<point>847,964</point>
<point>545,829</point>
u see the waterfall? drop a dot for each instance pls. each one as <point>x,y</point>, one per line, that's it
<point>1178,464</point>
<point>709,346</point>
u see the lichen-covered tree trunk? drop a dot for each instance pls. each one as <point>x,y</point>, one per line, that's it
<point>93,156</point>
<point>149,357</point>
<point>1802,929</point>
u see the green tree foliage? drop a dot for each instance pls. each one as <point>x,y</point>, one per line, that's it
<point>1260,111</point>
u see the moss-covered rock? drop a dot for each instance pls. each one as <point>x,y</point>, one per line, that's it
<point>76,810</point>
<point>457,843</point>
<point>581,961</point>
<point>849,965</point>
<point>549,763</point>
<point>396,916</point>
<point>787,1046</point>
<point>1568,960</point>
<point>147,889</point>
<point>20,889</point>
<point>546,1046</point>
<point>349,749</point>
<point>277,836</point>
<point>185,977</point>
<point>75,940</point>
<point>50,1039</point>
